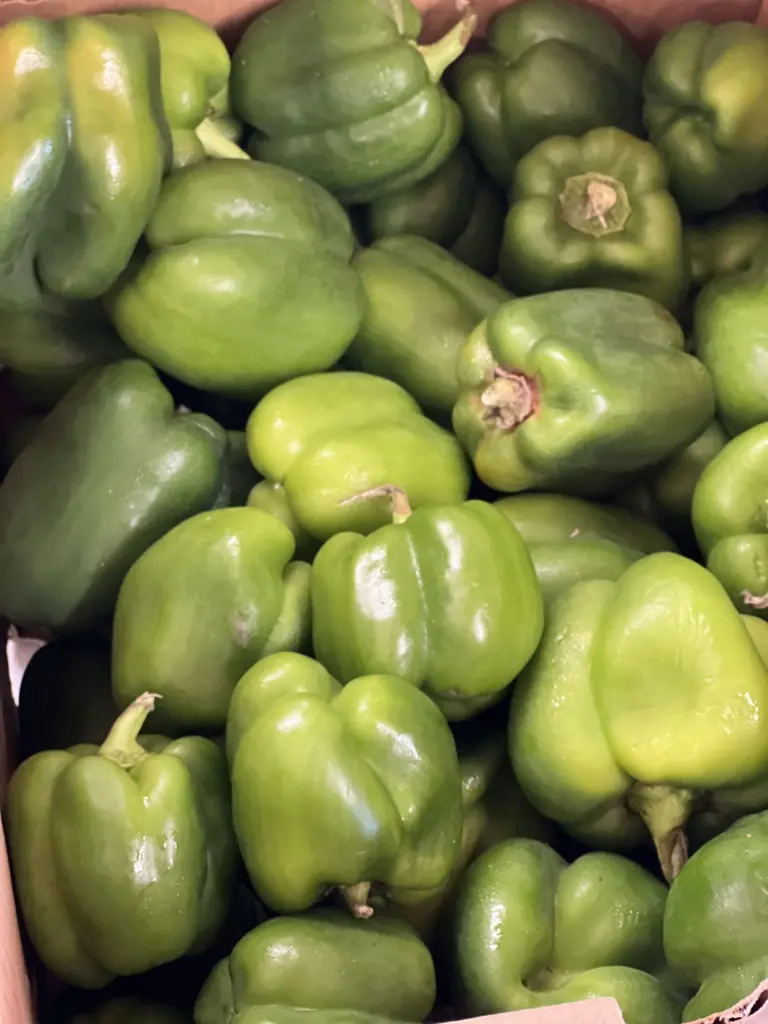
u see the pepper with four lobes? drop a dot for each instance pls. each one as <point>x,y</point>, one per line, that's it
<point>200,606</point>
<point>577,390</point>
<point>724,244</point>
<point>330,436</point>
<point>340,90</point>
<point>444,596</point>
<point>645,701</point>
<point>107,473</point>
<point>533,931</point>
<point>247,280</point>
<point>85,146</point>
<point>705,93</point>
<point>421,304</point>
<point>458,207</point>
<point>123,857</point>
<point>324,961</point>
<point>552,68</point>
<point>729,519</point>
<point>354,788</point>
<point>594,212</point>
<point>571,540</point>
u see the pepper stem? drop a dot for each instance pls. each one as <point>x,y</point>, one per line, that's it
<point>595,204</point>
<point>509,400</point>
<point>216,144</point>
<point>356,898</point>
<point>440,55</point>
<point>665,812</point>
<point>121,744</point>
<point>401,508</point>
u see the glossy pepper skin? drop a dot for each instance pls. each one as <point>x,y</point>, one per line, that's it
<point>714,930</point>
<point>123,858</point>
<point>724,244</point>
<point>576,390</point>
<point>229,570</point>
<point>107,473</point>
<point>439,572</point>
<point>353,103</point>
<point>458,207</point>
<point>330,438</point>
<point>532,931</point>
<point>86,147</point>
<point>323,960</point>
<point>594,212</point>
<point>570,540</point>
<point>552,68</point>
<point>350,788</point>
<point>645,701</point>
<point>705,91</point>
<point>729,520</point>
<point>247,281</point>
<point>421,304</point>
<point>271,497</point>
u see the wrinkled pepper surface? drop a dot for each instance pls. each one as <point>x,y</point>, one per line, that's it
<point>323,960</point>
<point>107,473</point>
<point>331,438</point>
<point>594,212</point>
<point>552,68</point>
<point>577,390</point>
<point>203,604</point>
<point>409,600</point>
<point>532,931</point>
<point>247,282</point>
<point>353,102</point>
<point>724,244</point>
<point>421,305</point>
<point>705,92</point>
<point>123,858</point>
<point>355,787</point>
<point>645,702</point>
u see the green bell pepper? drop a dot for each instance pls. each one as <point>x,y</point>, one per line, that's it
<point>130,1011</point>
<point>110,470</point>
<point>552,68</point>
<point>239,476</point>
<point>421,304</point>
<point>571,540</point>
<point>352,103</point>
<point>323,960</point>
<point>577,390</point>
<point>458,207</point>
<point>729,519</point>
<point>705,92</point>
<point>351,788</point>
<point>85,148</point>
<point>271,497</point>
<point>714,925</point>
<point>758,631</point>
<point>723,244</point>
<point>247,282</point>
<point>123,858</point>
<point>644,702</point>
<point>15,438</point>
<point>331,438</point>
<point>200,606</point>
<point>445,597</point>
<point>594,212</point>
<point>533,931</point>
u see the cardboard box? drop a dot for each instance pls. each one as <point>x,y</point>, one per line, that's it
<point>644,20</point>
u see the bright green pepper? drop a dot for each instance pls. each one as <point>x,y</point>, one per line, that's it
<point>247,282</point>
<point>123,859</point>
<point>345,788</point>
<point>464,611</point>
<point>577,390</point>
<point>330,438</point>
<point>533,931</point>
<point>229,571</point>
<point>552,68</point>
<point>457,207</point>
<point>271,497</point>
<point>594,212</point>
<point>706,90</point>
<point>110,470</point>
<point>353,103</point>
<point>724,244</point>
<point>85,147</point>
<point>646,700</point>
<point>421,304</point>
<point>323,960</point>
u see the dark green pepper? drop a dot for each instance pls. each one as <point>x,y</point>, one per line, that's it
<point>724,244</point>
<point>130,1011</point>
